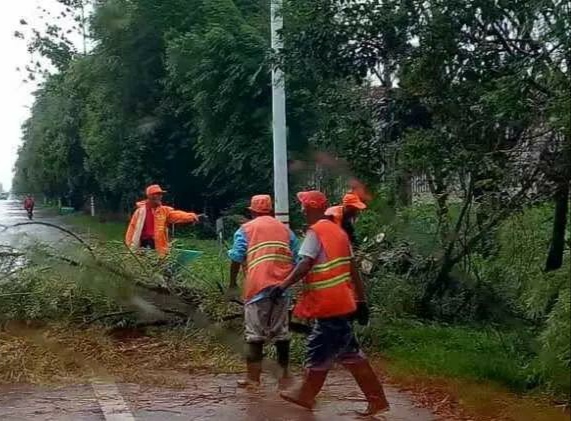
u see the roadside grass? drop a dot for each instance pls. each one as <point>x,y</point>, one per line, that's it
<point>92,227</point>
<point>63,353</point>
<point>473,353</point>
<point>476,372</point>
<point>209,271</point>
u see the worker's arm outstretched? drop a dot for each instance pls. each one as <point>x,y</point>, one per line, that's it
<point>181,217</point>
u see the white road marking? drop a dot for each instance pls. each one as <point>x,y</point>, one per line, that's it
<point>112,404</point>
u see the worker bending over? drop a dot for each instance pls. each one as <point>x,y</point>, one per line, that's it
<point>149,224</point>
<point>345,214</point>
<point>332,293</point>
<point>266,250</point>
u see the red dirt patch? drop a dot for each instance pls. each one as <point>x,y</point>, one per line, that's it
<point>462,400</point>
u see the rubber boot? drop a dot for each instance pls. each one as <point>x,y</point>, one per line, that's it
<point>252,380</point>
<point>254,356</point>
<point>370,385</point>
<point>305,395</point>
<point>282,351</point>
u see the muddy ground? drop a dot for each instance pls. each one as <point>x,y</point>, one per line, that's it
<point>205,397</point>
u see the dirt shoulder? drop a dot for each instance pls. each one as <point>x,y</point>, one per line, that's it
<point>456,399</point>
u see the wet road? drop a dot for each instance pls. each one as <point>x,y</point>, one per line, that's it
<point>12,212</point>
<point>205,397</point>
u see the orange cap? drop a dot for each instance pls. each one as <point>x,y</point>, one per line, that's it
<point>155,189</point>
<point>312,199</point>
<point>261,203</point>
<point>353,201</point>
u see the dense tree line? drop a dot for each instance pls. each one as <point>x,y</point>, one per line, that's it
<point>176,93</point>
<point>179,93</point>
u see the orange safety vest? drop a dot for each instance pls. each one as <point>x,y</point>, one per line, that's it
<point>269,258</point>
<point>335,213</point>
<point>328,291</point>
<point>164,215</point>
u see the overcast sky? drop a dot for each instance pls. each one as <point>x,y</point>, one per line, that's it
<point>15,95</point>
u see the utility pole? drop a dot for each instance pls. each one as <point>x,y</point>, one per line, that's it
<point>92,205</point>
<point>281,194</point>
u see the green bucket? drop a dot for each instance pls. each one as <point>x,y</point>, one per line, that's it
<point>185,257</point>
<point>66,211</point>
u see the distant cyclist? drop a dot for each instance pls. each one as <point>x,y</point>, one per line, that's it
<point>29,205</point>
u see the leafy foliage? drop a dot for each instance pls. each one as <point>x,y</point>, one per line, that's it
<point>508,291</point>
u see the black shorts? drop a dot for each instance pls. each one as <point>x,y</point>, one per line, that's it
<point>332,340</point>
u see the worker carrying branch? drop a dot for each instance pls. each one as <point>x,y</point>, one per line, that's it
<point>345,214</point>
<point>266,249</point>
<point>333,294</point>
<point>149,224</point>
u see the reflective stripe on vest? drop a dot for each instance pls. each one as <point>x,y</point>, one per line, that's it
<point>331,265</point>
<point>268,258</point>
<point>329,283</point>
<point>265,244</point>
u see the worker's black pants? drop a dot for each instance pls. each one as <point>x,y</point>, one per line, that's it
<point>255,353</point>
<point>148,243</point>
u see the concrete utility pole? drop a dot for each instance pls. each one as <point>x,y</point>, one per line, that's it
<point>279,120</point>
<point>92,205</point>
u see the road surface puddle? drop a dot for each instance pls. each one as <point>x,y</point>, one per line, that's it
<point>205,397</point>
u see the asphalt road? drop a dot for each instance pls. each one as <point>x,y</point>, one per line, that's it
<point>13,213</point>
<point>205,397</point>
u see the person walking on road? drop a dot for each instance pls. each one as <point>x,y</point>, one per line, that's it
<point>29,205</point>
<point>333,294</point>
<point>149,224</point>
<point>266,250</point>
<point>345,214</point>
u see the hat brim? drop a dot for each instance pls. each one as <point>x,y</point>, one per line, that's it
<point>156,192</point>
<point>357,205</point>
<point>258,210</point>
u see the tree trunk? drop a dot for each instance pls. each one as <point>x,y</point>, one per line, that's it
<point>557,248</point>
<point>562,195</point>
<point>404,189</point>
<point>438,191</point>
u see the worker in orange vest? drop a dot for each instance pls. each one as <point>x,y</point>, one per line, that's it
<point>149,224</point>
<point>345,214</point>
<point>333,294</point>
<point>266,249</point>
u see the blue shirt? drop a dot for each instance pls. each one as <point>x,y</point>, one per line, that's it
<point>239,249</point>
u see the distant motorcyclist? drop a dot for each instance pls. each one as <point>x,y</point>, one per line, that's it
<point>29,204</point>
